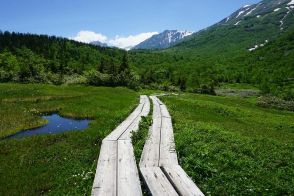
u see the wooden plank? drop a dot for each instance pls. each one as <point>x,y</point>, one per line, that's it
<point>183,183</point>
<point>116,172</point>
<point>128,125</point>
<point>114,135</point>
<point>167,174</point>
<point>168,154</point>
<point>150,154</point>
<point>128,178</point>
<point>156,108</point>
<point>146,109</point>
<point>151,151</point>
<point>134,126</point>
<point>105,178</point>
<point>164,111</point>
<point>157,182</point>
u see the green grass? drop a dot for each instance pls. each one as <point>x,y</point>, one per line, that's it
<point>230,146</point>
<point>139,137</point>
<point>62,164</point>
<point>241,86</point>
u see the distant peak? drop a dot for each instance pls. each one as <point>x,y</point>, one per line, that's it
<point>164,40</point>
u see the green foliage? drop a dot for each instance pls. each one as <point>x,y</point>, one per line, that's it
<point>139,137</point>
<point>220,54</point>
<point>60,164</point>
<point>96,78</point>
<point>44,59</point>
<point>230,146</point>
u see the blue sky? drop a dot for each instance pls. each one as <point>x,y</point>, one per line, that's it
<point>112,19</point>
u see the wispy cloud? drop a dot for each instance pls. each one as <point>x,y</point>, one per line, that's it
<point>89,36</point>
<point>130,41</point>
<point>125,42</point>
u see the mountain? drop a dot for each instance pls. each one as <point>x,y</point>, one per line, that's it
<point>163,40</point>
<point>98,43</point>
<point>248,46</point>
<point>249,27</point>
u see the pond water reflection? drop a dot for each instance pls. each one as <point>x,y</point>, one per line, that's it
<point>56,124</point>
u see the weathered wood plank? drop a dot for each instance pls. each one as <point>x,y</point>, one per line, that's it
<point>105,178</point>
<point>116,172</point>
<point>146,109</point>
<point>117,133</point>
<point>182,182</point>
<point>156,108</point>
<point>128,182</point>
<point>159,164</point>
<point>151,152</point>
<point>134,126</point>
<point>157,182</point>
<point>168,154</point>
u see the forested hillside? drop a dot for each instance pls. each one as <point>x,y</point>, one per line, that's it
<point>49,59</point>
<point>253,45</point>
<point>271,68</point>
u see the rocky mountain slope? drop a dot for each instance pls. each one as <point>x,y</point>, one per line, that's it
<point>248,28</point>
<point>163,40</point>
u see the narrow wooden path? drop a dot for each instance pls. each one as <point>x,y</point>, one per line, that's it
<point>117,172</point>
<point>159,163</point>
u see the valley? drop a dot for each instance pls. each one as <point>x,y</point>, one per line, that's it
<point>176,112</point>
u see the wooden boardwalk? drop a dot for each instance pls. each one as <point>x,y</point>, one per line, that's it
<point>117,172</point>
<point>159,163</point>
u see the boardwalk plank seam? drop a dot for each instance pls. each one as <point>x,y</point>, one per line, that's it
<point>174,178</point>
<point>106,182</point>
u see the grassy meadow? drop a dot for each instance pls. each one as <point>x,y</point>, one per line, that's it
<point>227,144</point>
<point>230,146</point>
<point>62,164</point>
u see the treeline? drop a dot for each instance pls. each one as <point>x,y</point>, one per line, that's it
<point>50,59</point>
<point>271,68</point>
<point>45,59</point>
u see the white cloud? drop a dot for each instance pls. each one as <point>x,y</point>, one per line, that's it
<point>130,41</point>
<point>124,42</point>
<point>89,36</point>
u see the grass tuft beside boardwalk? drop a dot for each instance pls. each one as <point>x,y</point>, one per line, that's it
<point>230,146</point>
<point>62,164</point>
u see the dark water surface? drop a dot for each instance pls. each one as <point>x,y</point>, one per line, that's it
<point>56,124</point>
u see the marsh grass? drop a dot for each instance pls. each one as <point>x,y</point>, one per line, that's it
<point>61,164</point>
<point>230,146</point>
<point>138,140</point>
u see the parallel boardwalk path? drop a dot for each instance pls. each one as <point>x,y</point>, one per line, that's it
<point>116,172</point>
<point>159,163</point>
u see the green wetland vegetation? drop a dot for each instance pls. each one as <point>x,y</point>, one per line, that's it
<point>233,118</point>
<point>231,146</point>
<point>63,163</point>
<point>227,144</point>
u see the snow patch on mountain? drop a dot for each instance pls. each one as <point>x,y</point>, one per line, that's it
<point>248,13</point>
<point>291,2</point>
<point>283,19</point>
<point>237,23</point>
<point>258,46</point>
<point>240,13</point>
<point>163,40</point>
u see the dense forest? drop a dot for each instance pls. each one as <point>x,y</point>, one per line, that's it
<point>28,58</point>
<point>48,59</point>
<point>271,67</point>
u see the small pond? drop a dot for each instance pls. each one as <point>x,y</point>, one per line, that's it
<point>56,124</point>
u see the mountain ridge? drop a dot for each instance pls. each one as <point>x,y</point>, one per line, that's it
<point>163,40</point>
